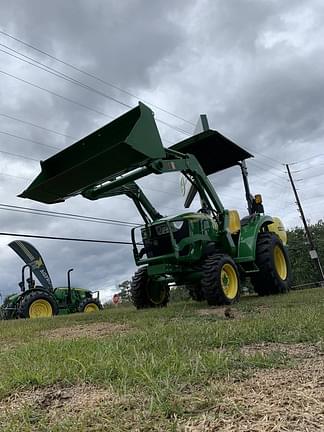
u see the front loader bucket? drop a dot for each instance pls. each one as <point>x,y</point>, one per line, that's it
<point>126,143</point>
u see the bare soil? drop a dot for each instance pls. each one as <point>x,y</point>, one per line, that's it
<point>271,400</point>
<point>94,330</point>
<point>57,399</point>
<point>224,312</point>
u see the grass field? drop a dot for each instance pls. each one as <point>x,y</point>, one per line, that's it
<point>183,368</point>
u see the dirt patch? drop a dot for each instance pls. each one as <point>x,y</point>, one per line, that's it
<point>298,350</point>
<point>272,400</point>
<point>55,399</point>
<point>95,330</point>
<point>224,312</point>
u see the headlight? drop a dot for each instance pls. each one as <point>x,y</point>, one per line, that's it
<point>178,224</point>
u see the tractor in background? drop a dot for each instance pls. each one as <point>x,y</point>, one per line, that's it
<point>37,301</point>
<point>209,251</point>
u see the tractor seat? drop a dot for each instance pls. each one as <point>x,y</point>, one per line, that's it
<point>234,223</point>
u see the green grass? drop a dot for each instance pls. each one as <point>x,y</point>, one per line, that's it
<point>156,367</point>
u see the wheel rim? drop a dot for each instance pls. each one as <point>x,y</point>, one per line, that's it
<point>229,281</point>
<point>280,262</point>
<point>156,292</point>
<point>90,308</point>
<point>40,308</point>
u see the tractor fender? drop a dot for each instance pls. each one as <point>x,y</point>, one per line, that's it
<point>250,227</point>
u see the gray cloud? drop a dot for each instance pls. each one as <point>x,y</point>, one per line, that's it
<point>255,67</point>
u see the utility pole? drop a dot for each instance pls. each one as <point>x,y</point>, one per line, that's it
<point>313,253</point>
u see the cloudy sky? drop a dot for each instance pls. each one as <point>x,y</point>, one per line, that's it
<point>255,67</point>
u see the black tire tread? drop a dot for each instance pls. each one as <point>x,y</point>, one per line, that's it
<point>210,282</point>
<point>138,292</point>
<point>30,297</point>
<point>83,303</point>
<point>267,281</point>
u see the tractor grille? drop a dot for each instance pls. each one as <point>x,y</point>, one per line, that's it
<point>157,238</point>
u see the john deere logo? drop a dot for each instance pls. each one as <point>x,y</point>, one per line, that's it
<point>37,263</point>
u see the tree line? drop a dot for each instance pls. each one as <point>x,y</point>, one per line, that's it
<point>303,268</point>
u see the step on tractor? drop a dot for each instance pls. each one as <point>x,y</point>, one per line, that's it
<point>40,301</point>
<point>209,251</point>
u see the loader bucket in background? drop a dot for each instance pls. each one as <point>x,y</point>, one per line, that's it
<point>213,150</point>
<point>126,143</point>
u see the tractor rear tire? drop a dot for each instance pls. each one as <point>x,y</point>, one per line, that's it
<point>274,276</point>
<point>89,305</point>
<point>37,304</point>
<point>145,295</point>
<point>220,281</point>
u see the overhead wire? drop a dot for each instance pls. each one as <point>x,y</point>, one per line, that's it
<point>28,139</point>
<point>18,155</point>
<point>36,125</point>
<point>64,215</point>
<point>60,74</point>
<point>93,76</point>
<point>56,94</point>
<point>176,128</point>
<point>306,159</point>
<point>72,80</point>
<point>10,234</point>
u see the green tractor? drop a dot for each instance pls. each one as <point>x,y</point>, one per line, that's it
<point>37,301</point>
<point>210,251</point>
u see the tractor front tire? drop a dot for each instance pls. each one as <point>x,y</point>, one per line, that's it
<point>147,293</point>
<point>89,305</point>
<point>37,304</point>
<point>274,276</point>
<point>220,280</point>
<point>7,314</point>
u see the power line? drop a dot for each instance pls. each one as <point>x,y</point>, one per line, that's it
<point>77,82</point>
<point>19,156</point>
<point>307,159</point>
<point>36,125</point>
<point>74,81</point>
<point>56,94</point>
<point>177,129</point>
<point>64,238</point>
<point>60,74</point>
<point>262,164</point>
<point>73,216</point>
<point>93,76</point>
<point>28,139</point>
<point>311,177</point>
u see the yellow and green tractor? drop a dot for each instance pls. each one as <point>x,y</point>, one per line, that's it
<point>210,250</point>
<point>43,301</point>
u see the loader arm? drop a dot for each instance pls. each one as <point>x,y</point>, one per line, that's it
<point>133,191</point>
<point>186,164</point>
<point>110,160</point>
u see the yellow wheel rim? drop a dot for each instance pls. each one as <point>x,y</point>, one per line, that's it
<point>229,281</point>
<point>91,307</point>
<point>40,308</point>
<point>280,262</point>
